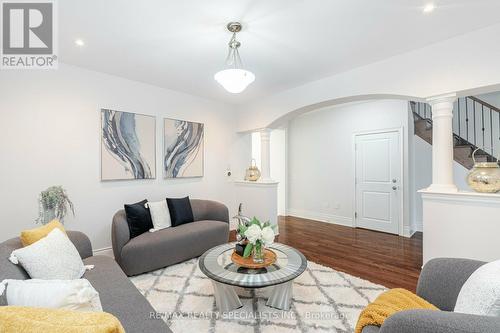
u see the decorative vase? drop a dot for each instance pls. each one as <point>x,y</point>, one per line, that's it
<point>484,176</point>
<point>252,173</point>
<point>258,253</point>
<point>49,214</point>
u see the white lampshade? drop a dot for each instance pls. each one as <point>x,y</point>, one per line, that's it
<point>234,80</point>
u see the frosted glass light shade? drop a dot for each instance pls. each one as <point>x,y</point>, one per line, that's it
<point>234,80</point>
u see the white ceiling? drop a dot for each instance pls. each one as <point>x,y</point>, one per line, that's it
<point>180,44</point>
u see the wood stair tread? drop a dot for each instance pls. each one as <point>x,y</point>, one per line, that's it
<point>462,150</point>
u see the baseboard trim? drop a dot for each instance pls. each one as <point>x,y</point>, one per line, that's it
<point>322,217</point>
<point>419,226</point>
<point>407,232</point>
<point>105,251</point>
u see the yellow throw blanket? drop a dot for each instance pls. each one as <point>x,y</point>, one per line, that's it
<point>16,319</point>
<point>387,304</point>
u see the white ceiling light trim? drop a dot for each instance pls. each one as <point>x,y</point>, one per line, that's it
<point>79,42</point>
<point>234,79</point>
<point>429,8</point>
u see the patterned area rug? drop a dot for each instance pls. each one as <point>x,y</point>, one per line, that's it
<point>324,300</point>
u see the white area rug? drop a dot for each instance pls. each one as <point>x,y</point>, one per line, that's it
<point>324,300</point>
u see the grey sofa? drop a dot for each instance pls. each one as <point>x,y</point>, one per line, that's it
<point>118,295</point>
<point>153,250</point>
<point>440,283</point>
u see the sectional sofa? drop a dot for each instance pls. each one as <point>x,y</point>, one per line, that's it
<point>118,295</point>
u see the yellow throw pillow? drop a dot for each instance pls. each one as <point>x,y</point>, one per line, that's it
<point>31,236</point>
<point>15,319</point>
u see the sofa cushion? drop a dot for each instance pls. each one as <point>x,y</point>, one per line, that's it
<point>15,272</point>
<point>121,298</point>
<point>480,294</point>
<point>31,236</point>
<point>371,329</point>
<point>7,269</point>
<point>78,294</point>
<point>180,211</point>
<point>138,218</point>
<point>159,215</point>
<point>53,257</point>
<point>166,247</point>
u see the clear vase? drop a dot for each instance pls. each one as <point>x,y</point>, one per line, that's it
<point>49,215</point>
<point>258,253</point>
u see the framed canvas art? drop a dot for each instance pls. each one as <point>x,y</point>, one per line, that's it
<point>128,145</point>
<point>183,145</point>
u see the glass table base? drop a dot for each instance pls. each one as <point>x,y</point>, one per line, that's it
<point>227,300</point>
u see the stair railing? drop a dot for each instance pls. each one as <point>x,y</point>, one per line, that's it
<point>474,121</point>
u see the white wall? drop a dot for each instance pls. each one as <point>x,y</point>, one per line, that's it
<point>491,98</point>
<point>423,177</point>
<point>320,155</point>
<point>49,135</point>
<point>461,225</point>
<point>256,149</point>
<point>454,65</point>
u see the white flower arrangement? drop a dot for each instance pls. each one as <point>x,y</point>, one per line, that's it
<point>258,235</point>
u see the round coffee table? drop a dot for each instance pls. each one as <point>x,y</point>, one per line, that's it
<point>225,275</point>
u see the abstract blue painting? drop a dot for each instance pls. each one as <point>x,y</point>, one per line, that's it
<point>182,148</point>
<point>127,145</point>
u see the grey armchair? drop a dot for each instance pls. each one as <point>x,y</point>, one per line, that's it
<point>154,250</point>
<point>440,283</point>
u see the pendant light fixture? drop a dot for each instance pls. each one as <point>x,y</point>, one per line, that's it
<point>234,79</point>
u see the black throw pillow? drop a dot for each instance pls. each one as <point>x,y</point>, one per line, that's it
<point>180,211</point>
<point>138,218</point>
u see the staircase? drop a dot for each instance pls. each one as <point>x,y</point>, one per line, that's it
<point>476,124</point>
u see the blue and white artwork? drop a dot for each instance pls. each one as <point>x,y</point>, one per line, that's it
<point>127,145</point>
<point>182,149</point>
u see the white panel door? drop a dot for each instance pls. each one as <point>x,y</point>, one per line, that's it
<point>378,181</point>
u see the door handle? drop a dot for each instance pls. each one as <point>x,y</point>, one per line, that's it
<point>394,188</point>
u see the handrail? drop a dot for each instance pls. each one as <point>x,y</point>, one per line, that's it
<point>480,101</point>
<point>474,124</point>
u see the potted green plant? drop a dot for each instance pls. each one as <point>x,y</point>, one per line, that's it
<point>53,203</point>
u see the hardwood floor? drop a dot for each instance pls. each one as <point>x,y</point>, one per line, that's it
<point>390,260</point>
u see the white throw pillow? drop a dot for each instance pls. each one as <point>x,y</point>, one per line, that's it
<point>55,294</point>
<point>53,257</point>
<point>480,294</point>
<point>160,215</point>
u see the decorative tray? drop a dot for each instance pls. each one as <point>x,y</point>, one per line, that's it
<point>269,259</point>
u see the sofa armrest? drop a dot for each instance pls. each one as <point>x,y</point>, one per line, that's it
<point>441,280</point>
<point>430,321</point>
<point>209,210</point>
<point>120,234</point>
<point>81,242</point>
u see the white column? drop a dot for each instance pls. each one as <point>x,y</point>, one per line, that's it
<point>265,155</point>
<point>442,143</point>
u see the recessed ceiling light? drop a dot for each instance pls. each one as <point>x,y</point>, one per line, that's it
<point>429,8</point>
<point>79,42</point>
